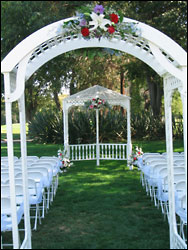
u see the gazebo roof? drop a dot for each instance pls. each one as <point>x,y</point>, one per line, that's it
<point>112,97</point>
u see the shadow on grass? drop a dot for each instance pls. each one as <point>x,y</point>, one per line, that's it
<point>101,207</point>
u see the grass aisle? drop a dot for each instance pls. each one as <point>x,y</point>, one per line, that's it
<point>101,207</point>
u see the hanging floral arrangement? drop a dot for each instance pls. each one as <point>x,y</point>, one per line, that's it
<point>95,22</point>
<point>65,162</point>
<point>96,103</point>
<point>135,155</point>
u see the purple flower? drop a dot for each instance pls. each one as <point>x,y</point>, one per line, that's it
<point>99,9</point>
<point>83,22</point>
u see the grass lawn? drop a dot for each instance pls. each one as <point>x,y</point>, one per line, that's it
<point>101,207</point>
<point>16,131</point>
<point>51,149</point>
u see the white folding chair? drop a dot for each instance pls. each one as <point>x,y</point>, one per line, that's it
<point>46,180</point>
<point>54,162</point>
<point>6,220</point>
<point>153,179</point>
<point>49,166</point>
<point>38,178</point>
<point>181,211</point>
<point>35,198</point>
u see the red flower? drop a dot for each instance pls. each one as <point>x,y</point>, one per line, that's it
<point>135,158</point>
<point>60,154</point>
<point>111,29</point>
<point>114,18</point>
<point>85,32</point>
<point>139,153</point>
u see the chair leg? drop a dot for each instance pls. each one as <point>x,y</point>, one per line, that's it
<point>36,216</point>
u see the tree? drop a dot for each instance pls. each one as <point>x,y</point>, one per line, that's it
<point>170,17</point>
<point>21,18</point>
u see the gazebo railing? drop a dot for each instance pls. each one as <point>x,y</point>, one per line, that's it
<point>108,151</point>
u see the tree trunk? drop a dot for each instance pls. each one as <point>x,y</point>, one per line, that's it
<point>56,99</point>
<point>156,93</point>
<point>31,104</point>
<point>122,87</point>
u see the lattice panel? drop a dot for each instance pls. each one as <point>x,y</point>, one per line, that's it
<point>173,83</point>
<point>136,41</point>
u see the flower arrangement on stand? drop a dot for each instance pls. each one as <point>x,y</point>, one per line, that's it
<point>96,103</point>
<point>96,21</point>
<point>135,156</point>
<point>65,162</point>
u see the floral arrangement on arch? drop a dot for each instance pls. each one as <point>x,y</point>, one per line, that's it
<point>135,154</point>
<point>96,103</point>
<point>97,21</point>
<point>66,163</point>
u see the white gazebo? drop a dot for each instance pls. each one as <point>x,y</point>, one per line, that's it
<point>103,151</point>
<point>152,47</point>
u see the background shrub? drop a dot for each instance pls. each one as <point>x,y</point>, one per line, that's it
<point>47,126</point>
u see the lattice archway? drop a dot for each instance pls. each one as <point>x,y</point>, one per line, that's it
<point>154,48</point>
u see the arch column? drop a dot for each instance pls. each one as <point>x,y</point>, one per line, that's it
<point>129,144</point>
<point>183,93</point>
<point>169,149</point>
<point>8,81</point>
<point>66,129</point>
<point>27,224</point>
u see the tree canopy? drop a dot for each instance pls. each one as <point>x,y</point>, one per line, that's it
<point>83,68</point>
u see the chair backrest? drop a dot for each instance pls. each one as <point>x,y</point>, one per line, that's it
<point>51,161</point>
<point>148,156</point>
<point>46,179</point>
<point>177,177</point>
<point>46,165</point>
<point>18,189</point>
<point>4,177</point>
<point>179,162</point>
<point>156,168</point>
<point>183,202</point>
<point>40,169</point>
<point>163,172</point>
<point>180,186</point>
<point>5,190</point>
<point>4,170</point>
<point>179,170</point>
<point>4,166</point>
<point>6,158</point>
<point>48,157</point>
<point>31,157</point>
<point>155,161</point>
<point>5,204</point>
<point>37,176</point>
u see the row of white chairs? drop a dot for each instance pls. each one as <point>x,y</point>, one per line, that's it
<point>42,186</point>
<point>154,177</point>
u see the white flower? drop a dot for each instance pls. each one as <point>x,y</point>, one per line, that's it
<point>98,21</point>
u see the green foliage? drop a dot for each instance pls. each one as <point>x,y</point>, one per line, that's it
<point>81,127</point>
<point>46,127</point>
<point>21,18</point>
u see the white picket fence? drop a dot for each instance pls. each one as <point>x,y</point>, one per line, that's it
<point>108,151</point>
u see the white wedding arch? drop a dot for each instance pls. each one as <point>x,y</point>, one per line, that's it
<point>154,48</point>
